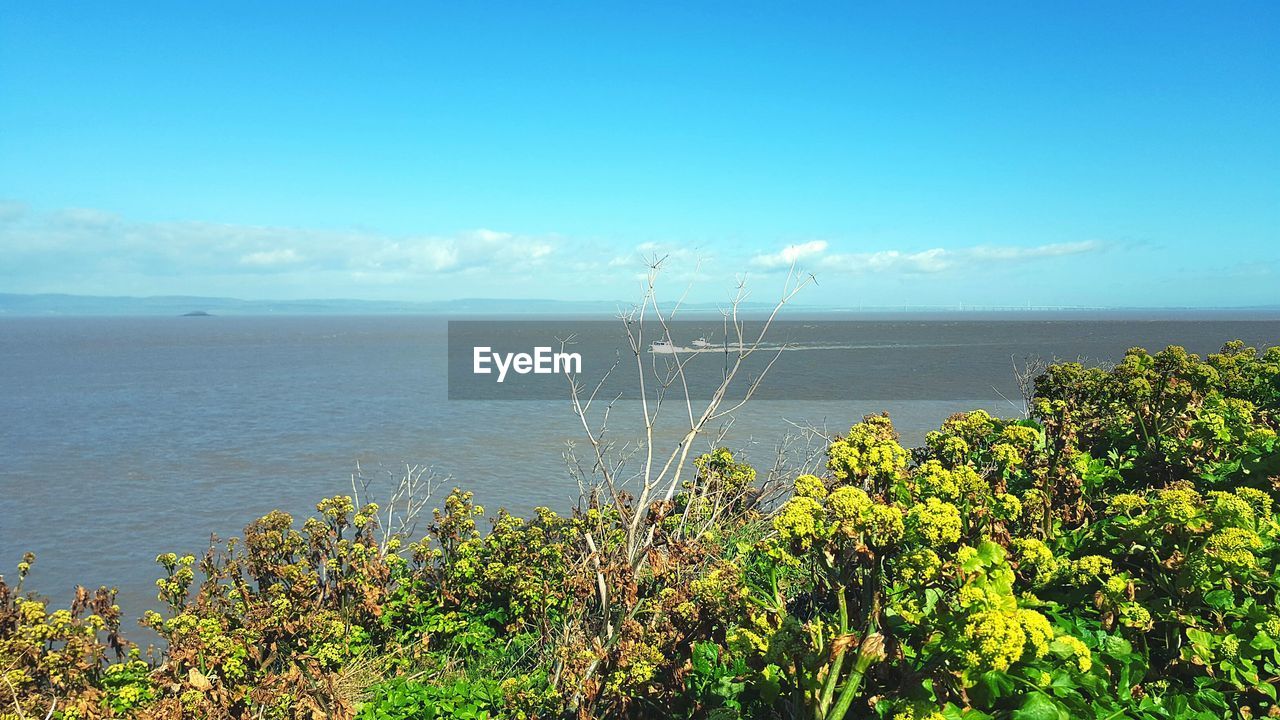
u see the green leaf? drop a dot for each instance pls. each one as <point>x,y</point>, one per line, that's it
<point>1200,638</point>
<point>1039,706</point>
<point>991,686</point>
<point>990,553</point>
<point>770,685</point>
<point>1262,641</point>
<point>1221,599</point>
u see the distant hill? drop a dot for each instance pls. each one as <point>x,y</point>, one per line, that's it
<point>174,305</point>
<point>46,305</point>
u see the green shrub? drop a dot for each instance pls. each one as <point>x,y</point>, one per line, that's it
<point>1112,556</point>
<point>401,699</point>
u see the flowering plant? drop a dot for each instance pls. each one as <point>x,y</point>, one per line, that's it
<point>1111,556</point>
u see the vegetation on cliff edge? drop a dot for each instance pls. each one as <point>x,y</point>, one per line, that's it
<point>1111,555</point>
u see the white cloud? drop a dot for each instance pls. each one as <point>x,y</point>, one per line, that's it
<point>86,217</point>
<point>1015,253</point>
<point>91,251</point>
<point>790,255</point>
<point>675,258</point>
<point>891,261</point>
<point>268,258</point>
<point>92,243</point>
<point>934,260</point>
<point>415,255</point>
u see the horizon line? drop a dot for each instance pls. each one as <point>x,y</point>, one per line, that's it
<point>957,308</point>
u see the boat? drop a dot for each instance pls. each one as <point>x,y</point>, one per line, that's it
<point>666,347</point>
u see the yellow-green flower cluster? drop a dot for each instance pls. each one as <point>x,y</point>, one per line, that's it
<point>131,695</point>
<point>1038,631</point>
<point>718,589</point>
<point>1007,457</point>
<point>1006,506</point>
<point>993,640</point>
<point>173,588</point>
<point>919,712</point>
<point>847,511</point>
<point>1069,647</point>
<point>1229,509</point>
<point>30,612</point>
<point>919,566</point>
<point>1230,647</point>
<point>987,595</point>
<point>1127,503</point>
<point>1182,505</point>
<point>1258,500</point>
<point>953,485</point>
<point>1020,436</point>
<point>1134,615</point>
<point>870,449</point>
<point>745,641</point>
<point>972,426</point>
<point>718,469</point>
<point>1257,435</point>
<point>1034,503</point>
<point>367,514</point>
<point>1117,585</point>
<point>1234,548</point>
<point>951,448</point>
<point>636,668</point>
<point>848,503</point>
<point>191,700</point>
<point>152,619</point>
<point>882,525</point>
<point>800,522</point>
<point>1090,568</point>
<point>336,506</point>
<point>934,523</point>
<point>458,516</point>
<point>329,640</point>
<point>36,625</point>
<point>810,486</point>
<point>1047,408</point>
<point>789,640</point>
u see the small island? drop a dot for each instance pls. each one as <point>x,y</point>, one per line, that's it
<point>197,313</point>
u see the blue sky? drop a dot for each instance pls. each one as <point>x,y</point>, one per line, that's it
<point>912,153</point>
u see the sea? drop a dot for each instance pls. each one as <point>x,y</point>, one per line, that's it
<point>125,437</point>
